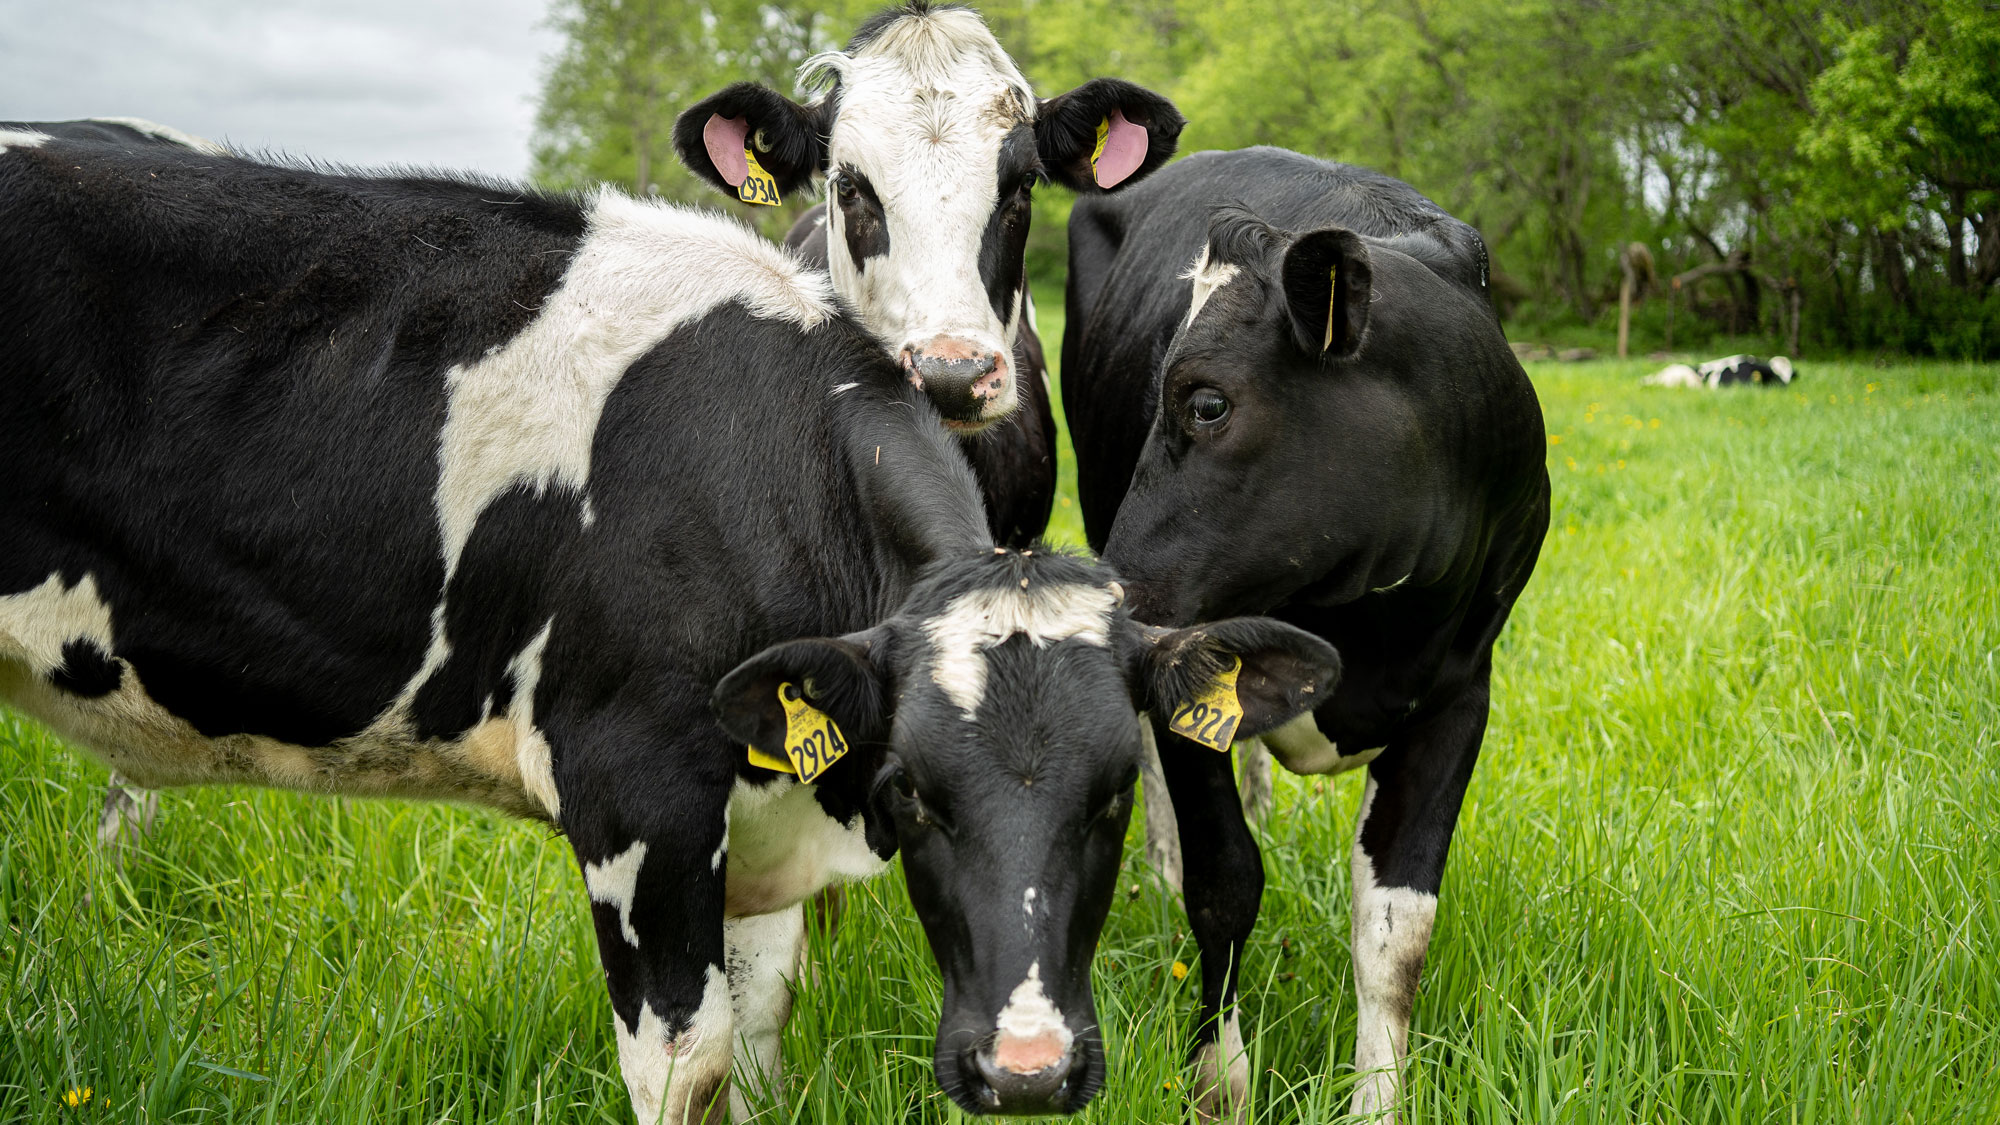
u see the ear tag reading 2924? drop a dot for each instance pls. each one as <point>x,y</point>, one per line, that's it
<point>812,741</point>
<point>1211,717</point>
<point>1103,131</point>
<point>759,186</point>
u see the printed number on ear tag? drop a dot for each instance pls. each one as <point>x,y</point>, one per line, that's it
<point>1211,717</point>
<point>758,186</point>
<point>1103,131</point>
<point>812,742</point>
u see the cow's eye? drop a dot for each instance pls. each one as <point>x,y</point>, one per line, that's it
<point>846,190</point>
<point>1207,407</point>
<point>1027,187</point>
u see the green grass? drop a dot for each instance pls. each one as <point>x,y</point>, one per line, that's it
<point>1733,854</point>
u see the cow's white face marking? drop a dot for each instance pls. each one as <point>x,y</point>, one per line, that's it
<point>166,133</point>
<point>663,1070</point>
<point>1028,902</point>
<point>615,882</point>
<point>1207,277</point>
<point>1030,1019</point>
<point>1391,933</point>
<point>983,619</point>
<point>783,847</point>
<point>21,138</point>
<point>923,109</point>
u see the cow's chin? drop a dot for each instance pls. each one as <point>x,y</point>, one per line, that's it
<point>968,429</point>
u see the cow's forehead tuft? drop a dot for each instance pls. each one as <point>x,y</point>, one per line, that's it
<point>935,54</point>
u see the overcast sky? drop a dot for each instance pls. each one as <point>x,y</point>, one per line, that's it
<point>450,83</point>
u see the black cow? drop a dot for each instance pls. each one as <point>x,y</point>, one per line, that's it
<point>426,487</point>
<point>932,144</point>
<point>1290,394</point>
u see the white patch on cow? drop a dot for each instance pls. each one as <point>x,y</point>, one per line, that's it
<point>1673,375</point>
<point>1391,586</point>
<point>1207,277</point>
<point>1222,1074</point>
<point>1391,933</point>
<point>615,882</point>
<point>664,1071</point>
<point>531,747</point>
<point>21,138</point>
<point>783,847</point>
<point>36,624</point>
<point>923,108</point>
<point>166,133</point>
<point>1030,1014</point>
<point>984,619</point>
<point>1028,902</point>
<point>841,389</point>
<point>721,846</point>
<point>763,960</point>
<point>525,415</point>
<point>1301,748</point>
<point>1782,368</point>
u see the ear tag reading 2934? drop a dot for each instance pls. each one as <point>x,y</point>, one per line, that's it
<point>812,741</point>
<point>758,186</point>
<point>1211,717</point>
<point>1103,131</point>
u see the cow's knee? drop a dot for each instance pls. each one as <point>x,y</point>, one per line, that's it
<point>763,959</point>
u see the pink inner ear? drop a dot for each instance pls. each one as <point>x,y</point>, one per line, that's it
<point>724,138</point>
<point>1124,151</point>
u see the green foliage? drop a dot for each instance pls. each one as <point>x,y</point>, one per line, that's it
<point>1849,147</point>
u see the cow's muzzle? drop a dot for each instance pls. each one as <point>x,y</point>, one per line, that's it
<point>1017,1080</point>
<point>971,386</point>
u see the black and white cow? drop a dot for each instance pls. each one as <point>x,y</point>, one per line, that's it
<point>1729,371</point>
<point>932,144</point>
<point>1290,394</point>
<point>435,488</point>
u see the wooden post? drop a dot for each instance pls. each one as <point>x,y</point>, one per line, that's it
<point>1796,302</point>
<point>1673,308</point>
<point>1624,310</point>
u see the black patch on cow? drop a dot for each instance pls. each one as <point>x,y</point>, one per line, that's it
<point>223,405</point>
<point>864,226</point>
<point>86,670</point>
<point>1003,247</point>
<point>496,602</point>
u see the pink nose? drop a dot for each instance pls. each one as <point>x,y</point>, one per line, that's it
<point>1029,1054</point>
<point>967,383</point>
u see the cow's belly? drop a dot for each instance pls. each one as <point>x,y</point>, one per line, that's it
<point>783,848</point>
<point>115,720</point>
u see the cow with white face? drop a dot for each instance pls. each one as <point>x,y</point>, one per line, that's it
<point>932,143</point>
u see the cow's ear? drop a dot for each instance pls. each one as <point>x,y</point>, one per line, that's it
<point>1327,282</point>
<point>1281,671</point>
<point>835,675</point>
<point>1105,133</point>
<point>786,137</point>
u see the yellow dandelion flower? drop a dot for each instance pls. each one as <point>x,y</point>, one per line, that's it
<point>1652,423</point>
<point>1065,501</point>
<point>1167,1085</point>
<point>1180,970</point>
<point>1621,463</point>
<point>1555,439</point>
<point>76,1097</point>
<point>1571,462</point>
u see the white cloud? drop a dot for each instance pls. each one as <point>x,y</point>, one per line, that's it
<point>443,83</point>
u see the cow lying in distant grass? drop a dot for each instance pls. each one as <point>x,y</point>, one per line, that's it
<point>1730,371</point>
<point>436,488</point>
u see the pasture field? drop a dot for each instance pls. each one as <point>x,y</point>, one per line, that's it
<point>1732,855</point>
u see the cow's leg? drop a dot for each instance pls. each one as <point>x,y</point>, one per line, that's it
<point>652,853</point>
<point>1223,887</point>
<point>1408,811</point>
<point>1163,841</point>
<point>1254,762</point>
<point>763,953</point>
<point>128,815</point>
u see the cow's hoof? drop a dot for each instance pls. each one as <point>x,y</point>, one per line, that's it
<point>1222,1078</point>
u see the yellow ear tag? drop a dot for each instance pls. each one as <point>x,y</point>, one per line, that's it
<point>1103,131</point>
<point>1332,275</point>
<point>1211,717</point>
<point>758,186</point>
<point>812,742</point>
